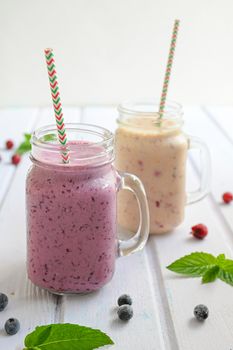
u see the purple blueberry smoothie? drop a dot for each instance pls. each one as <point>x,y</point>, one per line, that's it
<point>71,219</point>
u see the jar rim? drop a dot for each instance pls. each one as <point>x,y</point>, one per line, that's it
<point>130,112</point>
<point>129,107</point>
<point>96,145</point>
<point>90,128</point>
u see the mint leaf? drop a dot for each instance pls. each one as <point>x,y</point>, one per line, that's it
<point>227,265</point>
<point>27,137</point>
<point>195,264</point>
<point>25,146</point>
<point>66,337</point>
<point>220,259</point>
<point>49,137</point>
<point>226,271</point>
<point>211,274</point>
<point>206,266</point>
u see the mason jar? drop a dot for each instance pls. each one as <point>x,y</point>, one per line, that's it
<point>72,240</point>
<point>155,149</point>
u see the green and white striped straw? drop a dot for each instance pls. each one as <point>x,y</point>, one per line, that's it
<point>53,82</point>
<point>168,68</point>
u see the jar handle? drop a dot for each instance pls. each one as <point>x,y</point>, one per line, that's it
<point>205,172</point>
<point>137,242</point>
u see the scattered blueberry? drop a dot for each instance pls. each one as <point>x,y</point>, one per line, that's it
<point>12,326</point>
<point>124,299</point>
<point>125,312</point>
<point>201,312</point>
<point>3,301</point>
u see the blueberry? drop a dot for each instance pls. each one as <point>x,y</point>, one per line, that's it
<point>3,301</point>
<point>124,299</point>
<point>125,312</point>
<point>12,326</point>
<point>201,312</point>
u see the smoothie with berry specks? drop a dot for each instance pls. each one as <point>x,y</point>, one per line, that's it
<point>156,151</point>
<point>71,219</point>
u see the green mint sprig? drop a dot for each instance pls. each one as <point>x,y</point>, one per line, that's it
<point>25,146</point>
<point>49,137</point>
<point>66,337</point>
<point>204,265</point>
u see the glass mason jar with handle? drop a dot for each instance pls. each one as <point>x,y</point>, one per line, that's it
<point>72,239</point>
<point>155,149</point>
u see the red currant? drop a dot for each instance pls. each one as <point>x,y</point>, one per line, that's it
<point>15,159</point>
<point>9,144</point>
<point>227,197</point>
<point>199,231</point>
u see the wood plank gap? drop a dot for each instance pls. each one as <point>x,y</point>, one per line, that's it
<point>164,312</point>
<point>59,309</point>
<point>216,123</point>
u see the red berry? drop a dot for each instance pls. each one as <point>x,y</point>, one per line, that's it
<point>199,231</point>
<point>9,144</point>
<point>227,197</point>
<point>15,159</point>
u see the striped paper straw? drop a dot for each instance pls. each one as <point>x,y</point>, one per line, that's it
<point>52,74</point>
<point>168,68</point>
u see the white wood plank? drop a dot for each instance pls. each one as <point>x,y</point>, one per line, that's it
<point>28,303</point>
<point>99,310</point>
<point>14,123</point>
<point>222,116</point>
<point>183,294</point>
<point>221,149</point>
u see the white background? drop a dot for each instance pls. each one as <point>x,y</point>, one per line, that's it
<point>112,50</point>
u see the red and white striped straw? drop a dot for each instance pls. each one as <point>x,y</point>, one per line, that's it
<point>168,68</point>
<point>52,74</point>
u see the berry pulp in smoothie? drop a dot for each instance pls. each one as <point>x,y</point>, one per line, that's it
<point>157,155</point>
<point>71,225</point>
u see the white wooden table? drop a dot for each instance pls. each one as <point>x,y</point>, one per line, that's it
<point>163,301</point>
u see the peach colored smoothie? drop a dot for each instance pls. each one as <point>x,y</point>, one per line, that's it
<point>156,152</point>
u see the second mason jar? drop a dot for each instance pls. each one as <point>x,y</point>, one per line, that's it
<point>155,149</point>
